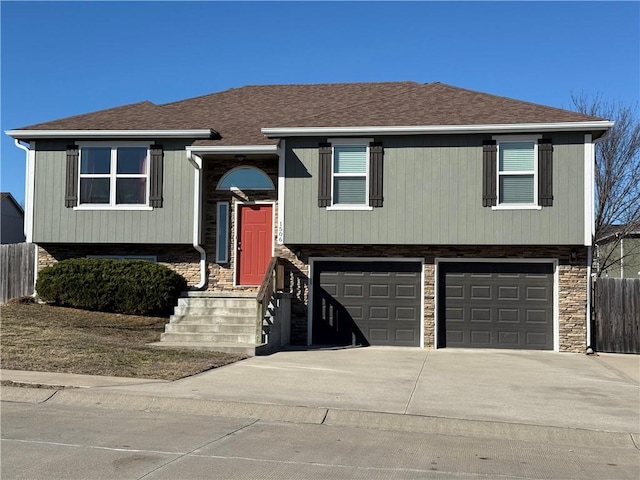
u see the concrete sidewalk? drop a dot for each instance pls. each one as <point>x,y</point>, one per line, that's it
<point>383,386</point>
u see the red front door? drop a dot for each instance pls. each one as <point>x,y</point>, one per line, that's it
<point>254,242</point>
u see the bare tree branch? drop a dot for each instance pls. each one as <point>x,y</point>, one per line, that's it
<point>617,174</point>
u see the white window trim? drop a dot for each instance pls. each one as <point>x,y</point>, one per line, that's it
<point>515,139</point>
<point>113,176</point>
<point>222,235</point>
<point>362,142</point>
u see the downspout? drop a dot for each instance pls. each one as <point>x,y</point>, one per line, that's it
<point>29,190</point>
<point>28,203</point>
<point>590,346</point>
<point>196,161</point>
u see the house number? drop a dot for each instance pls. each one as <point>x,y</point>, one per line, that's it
<point>280,232</point>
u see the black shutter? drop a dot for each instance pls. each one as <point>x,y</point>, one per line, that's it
<point>489,173</point>
<point>156,176</point>
<point>324,175</point>
<point>545,172</point>
<point>71,188</point>
<point>375,174</point>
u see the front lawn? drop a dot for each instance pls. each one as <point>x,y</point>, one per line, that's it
<point>56,339</point>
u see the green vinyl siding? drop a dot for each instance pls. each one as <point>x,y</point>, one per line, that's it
<point>433,196</point>
<point>53,223</point>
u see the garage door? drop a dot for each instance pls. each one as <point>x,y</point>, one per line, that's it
<point>496,305</point>
<point>367,303</point>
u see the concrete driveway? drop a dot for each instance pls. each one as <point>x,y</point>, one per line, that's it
<point>527,387</point>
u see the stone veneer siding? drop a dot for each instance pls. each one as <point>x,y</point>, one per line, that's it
<point>184,259</point>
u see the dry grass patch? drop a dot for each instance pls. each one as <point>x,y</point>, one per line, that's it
<point>45,338</point>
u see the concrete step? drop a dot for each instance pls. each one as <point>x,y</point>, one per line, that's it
<point>243,349</point>
<point>218,302</point>
<point>208,337</point>
<point>226,328</point>
<point>206,294</point>
<point>213,319</point>
<point>216,311</point>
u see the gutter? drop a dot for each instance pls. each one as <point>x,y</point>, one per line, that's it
<point>193,133</point>
<point>434,129</point>
<point>196,161</point>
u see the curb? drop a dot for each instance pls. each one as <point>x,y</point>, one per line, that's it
<point>325,416</point>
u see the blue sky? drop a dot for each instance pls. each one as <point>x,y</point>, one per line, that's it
<point>65,58</point>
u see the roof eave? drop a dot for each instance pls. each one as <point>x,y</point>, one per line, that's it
<point>35,134</point>
<point>591,126</point>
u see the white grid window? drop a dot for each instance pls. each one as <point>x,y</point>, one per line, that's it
<point>350,172</point>
<point>114,175</point>
<point>517,173</point>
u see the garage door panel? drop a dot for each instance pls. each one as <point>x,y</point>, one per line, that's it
<point>353,291</point>
<point>379,291</point>
<point>409,336</point>
<point>508,293</point>
<point>537,293</point>
<point>509,339</point>
<point>496,305</point>
<point>536,316</point>
<point>377,303</point>
<point>379,313</point>
<point>508,315</point>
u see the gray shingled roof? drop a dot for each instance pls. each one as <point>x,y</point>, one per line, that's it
<point>239,114</point>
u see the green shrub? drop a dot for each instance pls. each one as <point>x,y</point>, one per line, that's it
<point>133,287</point>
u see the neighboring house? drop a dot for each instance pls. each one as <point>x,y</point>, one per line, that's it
<point>406,214</point>
<point>12,214</point>
<point>620,254</point>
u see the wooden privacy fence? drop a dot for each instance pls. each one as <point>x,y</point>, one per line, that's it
<point>17,269</point>
<point>617,309</point>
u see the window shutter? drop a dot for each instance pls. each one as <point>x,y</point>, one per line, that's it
<point>71,189</point>
<point>324,175</point>
<point>375,174</point>
<point>489,173</point>
<point>156,176</point>
<point>545,172</point>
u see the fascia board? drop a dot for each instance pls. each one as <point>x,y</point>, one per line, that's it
<point>235,149</point>
<point>31,134</point>
<point>434,129</point>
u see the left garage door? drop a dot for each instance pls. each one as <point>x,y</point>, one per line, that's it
<point>367,303</point>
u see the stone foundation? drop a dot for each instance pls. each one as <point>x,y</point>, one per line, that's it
<point>184,259</point>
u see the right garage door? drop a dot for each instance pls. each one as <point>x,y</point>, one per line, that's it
<point>496,305</point>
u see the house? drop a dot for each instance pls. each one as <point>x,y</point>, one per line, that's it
<point>619,253</point>
<point>12,214</point>
<point>405,214</point>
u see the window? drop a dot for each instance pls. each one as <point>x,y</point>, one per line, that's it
<point>350,174</point>
<point>102,176</point>
<point>222,233</point>
<point>517,173</point>
<point>245,178</point>
<point>113,176</point>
